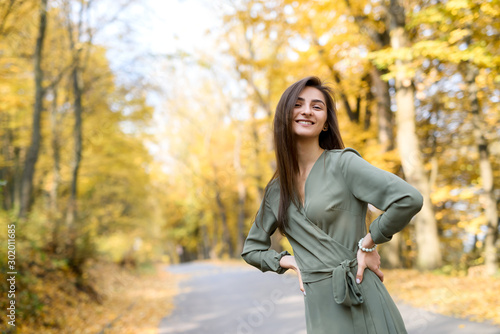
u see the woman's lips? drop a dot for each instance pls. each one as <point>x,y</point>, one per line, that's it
<point>304,122</point>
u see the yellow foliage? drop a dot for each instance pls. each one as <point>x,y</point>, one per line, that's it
<point>458,34</point>
<point>197,194</point>
<point>473,226</point>
<point>467,193</point>
<point>441,194</point>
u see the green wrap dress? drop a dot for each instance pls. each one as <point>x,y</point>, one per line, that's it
<point>324,235</point>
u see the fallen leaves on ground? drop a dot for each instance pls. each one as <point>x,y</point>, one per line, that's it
<point>473,298</point>
<point>130,302</point>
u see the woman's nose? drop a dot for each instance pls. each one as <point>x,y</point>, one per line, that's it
<point>307,110</point>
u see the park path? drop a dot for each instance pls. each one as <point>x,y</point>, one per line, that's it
<point>239,299</point>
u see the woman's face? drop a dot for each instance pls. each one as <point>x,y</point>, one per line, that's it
<point>310,113</point>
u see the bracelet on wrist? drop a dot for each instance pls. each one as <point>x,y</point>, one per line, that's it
<point>368,250</point>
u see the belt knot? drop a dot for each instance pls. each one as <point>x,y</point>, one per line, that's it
<point>345,289</point>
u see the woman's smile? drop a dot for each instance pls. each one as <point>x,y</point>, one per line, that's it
<point>305,122</point>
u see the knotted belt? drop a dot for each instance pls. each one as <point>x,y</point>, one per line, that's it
<point>345,289</point>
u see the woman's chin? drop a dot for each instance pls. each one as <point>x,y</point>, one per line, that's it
<point>302,135</point>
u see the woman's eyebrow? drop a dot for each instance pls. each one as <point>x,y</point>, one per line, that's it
<point>315,100</point>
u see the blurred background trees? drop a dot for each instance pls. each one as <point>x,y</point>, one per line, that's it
<point>92,168</point>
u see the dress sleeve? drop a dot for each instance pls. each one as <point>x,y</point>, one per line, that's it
<point>256,249</point>
<point>399,200</point>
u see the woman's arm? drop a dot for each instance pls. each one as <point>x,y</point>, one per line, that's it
<point>256,248</point>
<point>386,191</point>
<point>399,200</point>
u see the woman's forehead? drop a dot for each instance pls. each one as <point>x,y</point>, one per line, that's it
<point>311,93</point>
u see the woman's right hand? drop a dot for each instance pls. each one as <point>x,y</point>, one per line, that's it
<point>288,262</point>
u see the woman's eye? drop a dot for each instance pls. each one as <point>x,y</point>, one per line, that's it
<point>297,105</point>
<point>318,107</point>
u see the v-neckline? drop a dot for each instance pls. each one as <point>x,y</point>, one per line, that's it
<point>304,200</point>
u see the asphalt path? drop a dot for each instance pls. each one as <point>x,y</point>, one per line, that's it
<point>234,299</point>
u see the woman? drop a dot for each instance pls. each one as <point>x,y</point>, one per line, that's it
<point>318,198</point>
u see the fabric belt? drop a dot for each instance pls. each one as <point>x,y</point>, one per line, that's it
<point>345,289</point>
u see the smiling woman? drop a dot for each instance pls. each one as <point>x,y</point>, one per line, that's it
<point>318,198</point>
<point>309,114</point>
<point>292,144</point>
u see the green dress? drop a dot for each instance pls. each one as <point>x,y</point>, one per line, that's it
<point>324,235</point>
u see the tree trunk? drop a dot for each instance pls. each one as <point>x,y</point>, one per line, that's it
<point>72,208</point>
<point>384,113</point>
<point>215,240</point>
<point>428,252</point>
<point>8,173</point>
<point>32,154</point>
<point>54,190</point>
<point>227,247</point>
<point>391,253</point>
<point>259,178</point>
<point>485,170</point>
<point>72,212</point>
<point>18,176</point>
<point>241,188</point>
<point>205,241</point>
<point>368,104</point>
<point>54,127</point>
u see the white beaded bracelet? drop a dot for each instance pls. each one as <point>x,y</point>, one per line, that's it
<point>369,250</point>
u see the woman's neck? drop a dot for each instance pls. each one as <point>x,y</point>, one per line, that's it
<point>307,153</point>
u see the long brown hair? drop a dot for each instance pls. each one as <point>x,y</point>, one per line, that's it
<point>285,146</point>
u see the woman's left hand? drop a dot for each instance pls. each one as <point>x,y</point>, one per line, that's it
<point>370,260</point>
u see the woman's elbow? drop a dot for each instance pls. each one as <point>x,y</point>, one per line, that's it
<point>244,256</point>
<point>248,257</point>
<point>252,259</point>
<point>416,200</point>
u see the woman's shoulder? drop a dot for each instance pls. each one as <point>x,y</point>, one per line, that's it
<point>341,159</point>
<point>339,152</point>
<point>273,187</point>
<point>272,194</point>
<point>274,183</point>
